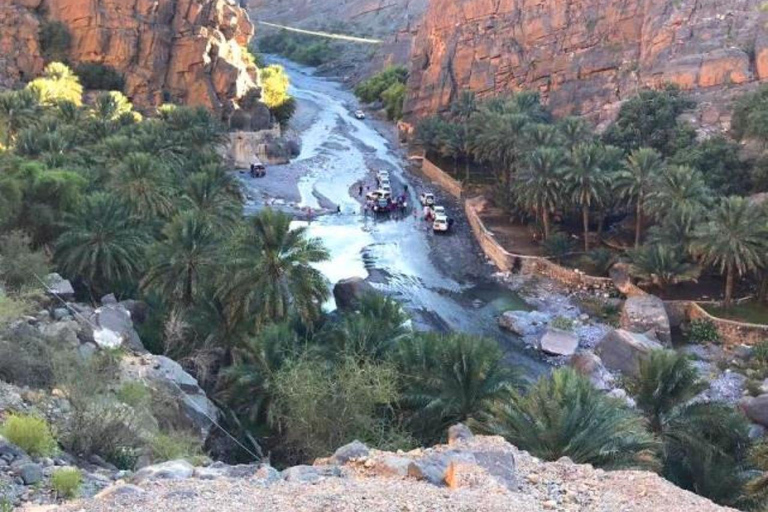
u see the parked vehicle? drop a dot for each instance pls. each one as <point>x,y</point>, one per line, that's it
<point>378,194</point>
<point>427,198</point>
<point>440,224</point>
<point>383,175</point>
<point>359,114</point>
<point>386,189</point>
<point>258,170</point>
<point>381,206</point>
<point>439,211</point>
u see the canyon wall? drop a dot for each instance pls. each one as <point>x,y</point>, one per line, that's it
<point>395,22</point>
<point>185,51</point>
<point>586,56</point>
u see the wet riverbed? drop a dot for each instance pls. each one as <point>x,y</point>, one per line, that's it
<point>442,280</point>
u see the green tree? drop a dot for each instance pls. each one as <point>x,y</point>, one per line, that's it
<point>215,196</point>
<point>271,273</point>
<point>20,265</point>
<point>704,444</point>
<point>102,243</point>
<point>18,110</point>
<point>677,191</point>
<point>184,260</point>
<point>586,181</point>
<point>563,415</point>
<point>144,184</point>
<point>662,265</point>
<point>58,83</point>
<point>650,119</point>
<point>719,161</point>
<point>539,185</point>
<point>734,239</point>
<point>450,378</point>
<point>635,181</point>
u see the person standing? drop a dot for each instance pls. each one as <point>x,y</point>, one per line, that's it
<point>360,190</point>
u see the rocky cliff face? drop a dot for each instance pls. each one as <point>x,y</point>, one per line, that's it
<point>394,21</point>
<point>586,56</point>
<point>187,51</point>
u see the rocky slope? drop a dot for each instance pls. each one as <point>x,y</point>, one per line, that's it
<point>187,51</point>
<point>470,473</point>
<point>586,56</point>
<point>393,21</point>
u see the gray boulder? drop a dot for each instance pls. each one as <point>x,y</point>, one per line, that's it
<point>310,474</point>
<point>459,432</point>
<point>64,332</point>
<point>266,474</point>
<point>646,313</point>
<point>59,287</point>
<point>30,473</point>
<point>349,292</point>
<point>391,465</point>
<point>114,328</point>
<point>558,342</point>
<point>622,351</point>
<point>589,365</point>
<point>756,409</point>
<point>171,470</point>
<point>523,323</point>
<point>165,374</point>
<point>353,450</point>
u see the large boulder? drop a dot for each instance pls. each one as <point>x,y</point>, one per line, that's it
<point>523,323</point>
<point>171,470</point>
<point>558,342</point>
<point>622,351</point>
<point>589,365</point>
<point>59,287</point>
<point>167,376</point>
<point>349,292</point>
<point>756,409</point>
<point>110,327</point>
<point>646,313</point>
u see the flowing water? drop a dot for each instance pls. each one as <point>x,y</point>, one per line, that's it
<point>338,152</point>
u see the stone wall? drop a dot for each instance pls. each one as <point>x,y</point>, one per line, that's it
<point>441,178</point>
<point>731,332</point>
<point>510,262</point>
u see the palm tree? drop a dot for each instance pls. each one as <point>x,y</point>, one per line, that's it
<point>704,444</point>
<point>635,180</point>
<point>102,243</point>
<point>58,83</point>
<point>248,385</point>
<point>676,191</point>
<point>462,110</point>
<point>574,131</point>
<point>734,239</point>
<point>539,185</point>
<point>499,140</point>
<point>18,110</point>
<point>181,263</point>
<point>563,415</point>
<point>214,195</point>
<point>662,265</point>
<point>372,332</point>
<point>677,230</point>
<point>586,181</point>
<point>451,378</point>
<point>143,182</point>
<point>271,271</point>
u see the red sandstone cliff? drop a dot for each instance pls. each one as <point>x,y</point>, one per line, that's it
<point>586,56</point>
<point>190,51</point>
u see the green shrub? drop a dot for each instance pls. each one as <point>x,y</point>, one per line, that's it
<point>562,322</point>
<point>30,433</point>
<point>55,40</point>
<point>20,264</point>
<point>374,88</point>
<point>175,445</point>
<point>136,394</point>
<point>12,307</point>
<point>760,352</point>
<point>97,76</point>
<point>703,330</point>
<point>66,482</point>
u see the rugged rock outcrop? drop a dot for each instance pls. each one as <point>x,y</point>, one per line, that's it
<point>622,350</point>
<point>586,56</point>
<point>471,473</point>
<point>646,314</point>
<point>187,51</point>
